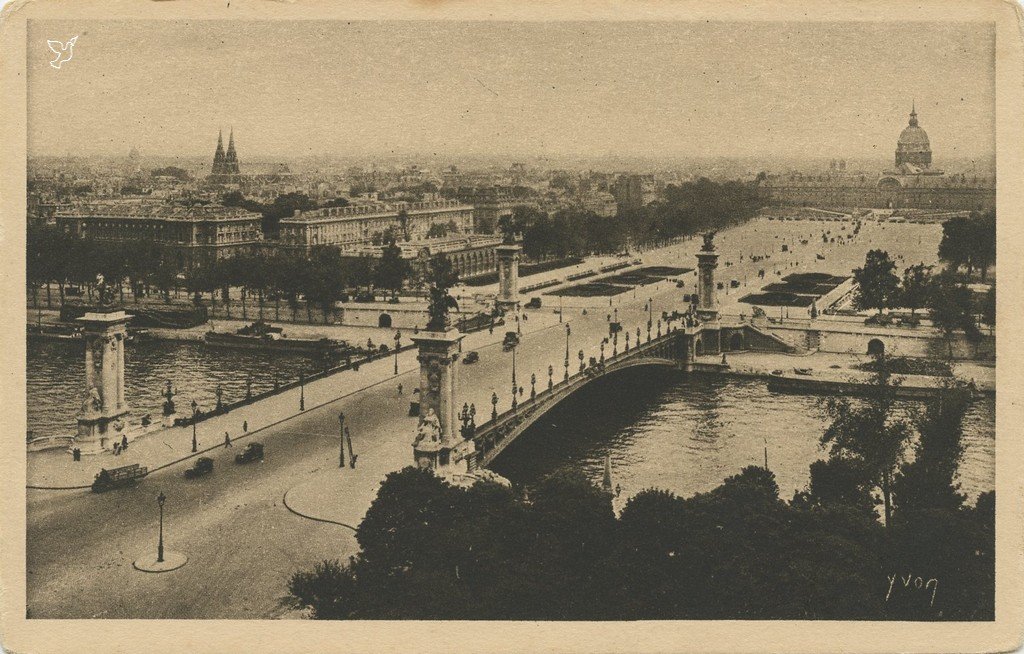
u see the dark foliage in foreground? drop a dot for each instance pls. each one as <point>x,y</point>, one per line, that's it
<point>432,551</point>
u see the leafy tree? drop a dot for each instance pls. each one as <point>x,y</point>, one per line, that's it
<point>928,482</point>
<point>915,287</point>
<point>982,246</point>
<point>438,230</point>
<point>392,270</point>
<point>877,283</point>
<point>988,306</point>
<point>870,432</point>
<point>951,307</point>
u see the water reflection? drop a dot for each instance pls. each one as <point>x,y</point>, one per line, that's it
<point>686,433</point>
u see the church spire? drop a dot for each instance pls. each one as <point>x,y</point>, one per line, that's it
<point>913,113</point>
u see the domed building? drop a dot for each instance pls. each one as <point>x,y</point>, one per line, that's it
<point>913,151</point>
<point>911,184</point>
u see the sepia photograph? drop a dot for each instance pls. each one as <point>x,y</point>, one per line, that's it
<point>559,321</point>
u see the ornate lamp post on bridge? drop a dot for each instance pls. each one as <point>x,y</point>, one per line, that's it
<point>638,337</point>
<point>398,345</point>
<point>603,342</point>
<point>567,332</point>
<point>551,372</point>
<point>195,420</point>
<point>494,406</point>
<point>659,329</point>
<point>615,344</point>
<point>302,391</point>
<point>627,341</point>
<point>533,386</point>
<point>515,386</point>
<point>160,499</point>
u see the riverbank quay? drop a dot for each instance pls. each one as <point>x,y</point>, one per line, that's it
<point>832,373</point>
<point>55,470</point>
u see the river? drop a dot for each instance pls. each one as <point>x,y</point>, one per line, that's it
<point>56,378</point>
<point>687,433</point>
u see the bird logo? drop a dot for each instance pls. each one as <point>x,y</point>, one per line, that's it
<point>62,50</point>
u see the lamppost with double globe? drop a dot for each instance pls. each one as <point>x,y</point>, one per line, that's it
<point>398,344</point>
<point>195,420</point>
<point>160,499</point>
<point>568,331</point>
<point>515,386</point>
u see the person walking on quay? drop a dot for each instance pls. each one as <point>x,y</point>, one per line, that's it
<point>124,443</point>
<point>399,389</point>
<point>227,439</point>
<point>245,426</point>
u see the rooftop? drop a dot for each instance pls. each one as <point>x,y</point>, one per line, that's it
<point>333,214</point>
<point>155,210</point>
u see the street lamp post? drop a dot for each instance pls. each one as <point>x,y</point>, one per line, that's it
<point>302,391</point>
<point>627,341</point>
<point>195,419</point>
<point>615,344</point>
<point>638,337</point>
<point>559,309</point>
<point>659,329</point>
<point>551,372</point>
<point>567,332</point>
<point>581,361</point>
<point>603,341</point>
<point>341,440</point>
<point>494,406</point>
<point>533,386</point>
<point>160,499</point>
<point>398,344</point>
<point>515,386</point>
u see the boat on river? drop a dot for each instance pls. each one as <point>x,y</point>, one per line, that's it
<point>263,336</point>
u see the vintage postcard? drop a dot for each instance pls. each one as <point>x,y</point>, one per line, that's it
<point>563,327</point>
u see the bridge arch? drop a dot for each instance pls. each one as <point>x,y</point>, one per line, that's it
<point>736,342</point>
<point>384,320</point>
<point>493,438</point>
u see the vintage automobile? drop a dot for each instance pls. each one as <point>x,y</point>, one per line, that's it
<point>252,452</point>
<point>471,357</point>
<point>118,477</point>
<point>511,341</point>
<point>534,303</point>
<point>203,466</point>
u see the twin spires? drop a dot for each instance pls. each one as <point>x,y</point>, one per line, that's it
<point>225,164</point>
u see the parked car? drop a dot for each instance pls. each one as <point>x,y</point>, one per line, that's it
<point>471,357</point>
<point>534,303</point>
<point>203,466</point>
<point>252,452</point>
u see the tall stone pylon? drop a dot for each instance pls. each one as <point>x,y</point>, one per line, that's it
<point>438,440</point>
<point>707,292</point>
<point>507,300</point>
<point>101,419</point>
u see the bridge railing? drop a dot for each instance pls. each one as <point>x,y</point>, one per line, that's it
<point>490,437</point>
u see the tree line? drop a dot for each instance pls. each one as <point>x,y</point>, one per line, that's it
<point>951,304</point>
<point>688,208</point>
<point>143,268</point>
<point>970,243</point>
<point>429,550</point>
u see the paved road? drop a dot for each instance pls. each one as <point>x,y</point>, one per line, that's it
<point>241,542</point>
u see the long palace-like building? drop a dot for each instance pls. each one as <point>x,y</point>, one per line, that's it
<point>911,184</point>
<point>196,234</point>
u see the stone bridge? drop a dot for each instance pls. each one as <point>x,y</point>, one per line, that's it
<point>486,441</point>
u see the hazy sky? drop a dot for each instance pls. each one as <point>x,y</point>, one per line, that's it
<point>647,89</point>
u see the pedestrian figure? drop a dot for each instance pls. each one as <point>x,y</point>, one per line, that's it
<point>399,389</point>
<point>117,449</point>
<point>124,443</point>
<point>245,426</point>
<point>76,454</point>
<point>227,440</point>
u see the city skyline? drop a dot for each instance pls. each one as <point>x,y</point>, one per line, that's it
<point>458,91</point>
